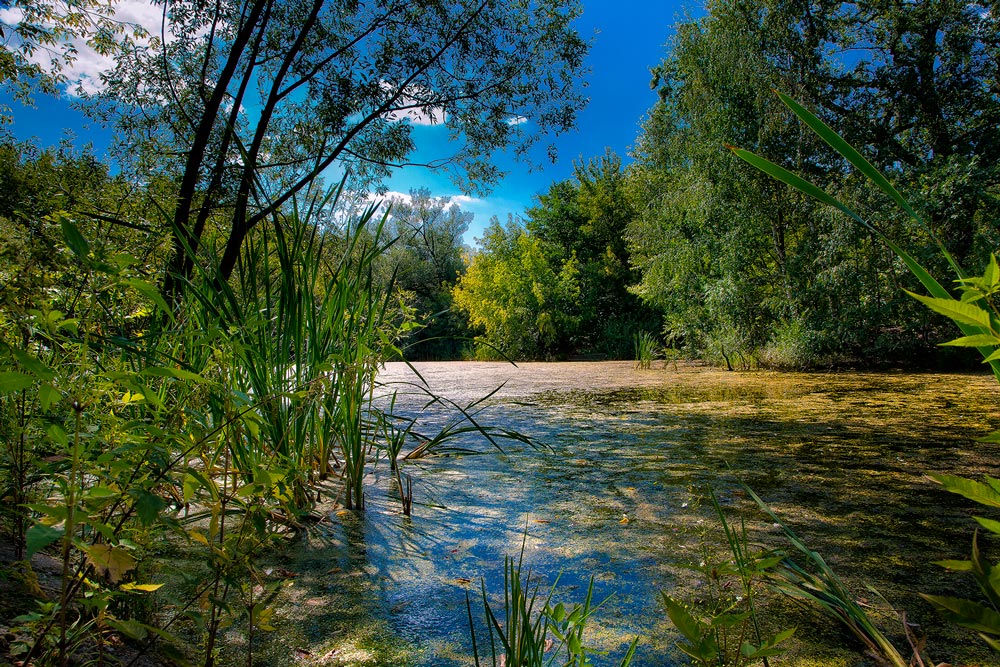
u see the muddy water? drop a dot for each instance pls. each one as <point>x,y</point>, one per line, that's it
<point>614,489</point>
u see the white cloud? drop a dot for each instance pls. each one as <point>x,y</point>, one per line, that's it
<point>84,72</point>
<point>412,108</point>
<point>517,120</point>
<point>390,195</point>
<point>394,196</point>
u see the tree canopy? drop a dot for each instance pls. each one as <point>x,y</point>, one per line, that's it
<point>248,102</point>
<point>740,264</point>
<point>427,260</point>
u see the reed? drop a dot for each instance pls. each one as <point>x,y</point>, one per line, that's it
<point>535,631</point>
<point>646,349</point>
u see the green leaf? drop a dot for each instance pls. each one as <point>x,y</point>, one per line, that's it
<point>151,293</point>
<point>850,154</point>
<point>11,381</point>
<point>964,313</point>
<point>992,643</point>
<point>48,396</point>
<point>687,624</point>
<point>799,183</point>
<point>178,373</point>
<point>40,536</point>
<point>32,365</point>
<point>147,505</point>
<point>58,435</point>
<point>100,492</point>
<point>989,524</point>
<point>74,239</point>
<point>977,340</point>
<point>781,636</point>
<point>111,561</point>
<point>106,531</point>
<point>954,565</point>
<point>130,628</point>
<point>966,613</point>
<point>991,276</point>
<point>971,489</point>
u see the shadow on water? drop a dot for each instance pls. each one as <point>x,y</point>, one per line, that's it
<point>617,496</point>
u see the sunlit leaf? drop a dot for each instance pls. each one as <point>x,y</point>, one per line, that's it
<point>145,588</point>
<point>965,313</point>
<point>971,489</point>
<point>989,524</point>
<point>110,561</point>
<point>977,340</point>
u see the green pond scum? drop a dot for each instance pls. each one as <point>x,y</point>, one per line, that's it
<point>616,490</point>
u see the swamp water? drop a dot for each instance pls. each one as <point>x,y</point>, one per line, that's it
<point>617,493</point>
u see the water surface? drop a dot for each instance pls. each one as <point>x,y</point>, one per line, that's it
<point>615,490</point>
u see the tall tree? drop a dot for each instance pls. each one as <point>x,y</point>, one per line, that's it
<point>258,98</point>
<point>427,260</point>
<point>714,240</point>
<point>739,262</point>
<point>583,220</point>
<point>526,307</point>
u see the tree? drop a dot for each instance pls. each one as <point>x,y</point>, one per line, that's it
<point>714,240</point>
<point>428,259</point>
<point>40,39</point>
<point>525,307</point>
<point>255,99</point>
<point>583,220</point>
<point>738,263</point>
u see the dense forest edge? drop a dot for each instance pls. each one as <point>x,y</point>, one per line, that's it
<point>191,332</point>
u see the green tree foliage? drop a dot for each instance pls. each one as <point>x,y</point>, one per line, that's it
<point>511,292</point>
<point>39,40</point>
<point>559,286</point>
<point>40,186</point>
<point>251,100</point>
<point>428,259</point>
<point>583,220</point>
<point>742,265</point>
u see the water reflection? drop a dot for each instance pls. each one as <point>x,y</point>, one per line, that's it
<point>615,496</point>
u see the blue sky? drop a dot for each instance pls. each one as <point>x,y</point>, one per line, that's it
<point>629,37</point>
